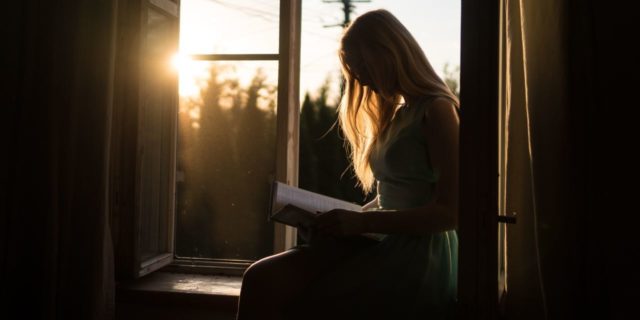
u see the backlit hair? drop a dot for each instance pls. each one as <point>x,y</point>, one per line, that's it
<point>380,49</point>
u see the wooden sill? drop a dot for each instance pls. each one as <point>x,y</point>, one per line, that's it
<point>168,293</point>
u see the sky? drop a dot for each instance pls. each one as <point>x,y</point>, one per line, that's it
<point>251,26</point>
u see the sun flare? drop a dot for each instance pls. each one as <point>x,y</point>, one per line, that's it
<point>191,74</point>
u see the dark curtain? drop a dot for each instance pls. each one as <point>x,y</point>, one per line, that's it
<point>56,255</point>
<point>567,99</point>
<point>538,159</point>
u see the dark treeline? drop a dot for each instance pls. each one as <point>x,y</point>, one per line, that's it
<point>324,164</point>
<point>226,158</point>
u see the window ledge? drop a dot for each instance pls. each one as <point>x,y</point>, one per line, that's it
<point>176,290</point>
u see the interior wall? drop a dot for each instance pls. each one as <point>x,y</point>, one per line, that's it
<point>603,81</point>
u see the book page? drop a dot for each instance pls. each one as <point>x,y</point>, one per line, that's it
<point>310,201</point>
<point>296,207</point>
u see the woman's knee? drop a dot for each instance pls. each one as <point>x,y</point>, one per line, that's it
<point>268,268</point>
<point>255,274</point>
<point>285,273</point>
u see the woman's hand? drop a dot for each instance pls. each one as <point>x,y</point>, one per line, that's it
<point>339,223</point>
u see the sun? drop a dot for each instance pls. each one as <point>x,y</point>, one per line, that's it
<point>190,72</point>
<point>179,61</point>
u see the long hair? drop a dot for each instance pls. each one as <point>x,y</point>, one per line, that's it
<point>378,48</point>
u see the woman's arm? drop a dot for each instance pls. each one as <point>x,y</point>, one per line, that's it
<point>433,218</point>
<point>440,214</point>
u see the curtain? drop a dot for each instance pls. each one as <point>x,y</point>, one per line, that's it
<point>560,90</point>
<point>536,158</point>
<point>55,246</point>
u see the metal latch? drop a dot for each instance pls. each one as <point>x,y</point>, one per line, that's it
<point>507,219</point>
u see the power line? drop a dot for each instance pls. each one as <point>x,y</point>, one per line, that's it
<point>252,11</point>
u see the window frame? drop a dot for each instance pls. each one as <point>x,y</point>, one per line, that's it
<point>125,157</point>
<point>126,154</point>
<point>479,163</point>
<point>287,133</point>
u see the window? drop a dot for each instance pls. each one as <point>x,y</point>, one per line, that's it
<point>142,206</point>
<point>238,128</point>
<point>144,137</point>
<point>226,145</point>
<point>147,188</point>
<point>227,135</point>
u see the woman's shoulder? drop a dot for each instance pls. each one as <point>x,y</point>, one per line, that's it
<point>439,114</point>
<point>421,110</point>
<point>439,106</point>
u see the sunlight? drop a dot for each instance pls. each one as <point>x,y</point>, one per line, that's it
<point>179,61</point>
<point>225,27</point>
<point>251,26</point>
<point>191,74</point>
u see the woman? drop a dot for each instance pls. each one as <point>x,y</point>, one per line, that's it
<point>402,125</point>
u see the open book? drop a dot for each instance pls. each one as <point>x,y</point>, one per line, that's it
<point>298,208</point>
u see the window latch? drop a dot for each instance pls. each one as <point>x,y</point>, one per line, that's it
<point>507,219</point>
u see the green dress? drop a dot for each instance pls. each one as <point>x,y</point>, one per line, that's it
<point>402,276</point>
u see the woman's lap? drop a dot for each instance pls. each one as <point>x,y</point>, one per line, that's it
<point>313,258</point>
<point>349,278</point>
<point>288,273</point>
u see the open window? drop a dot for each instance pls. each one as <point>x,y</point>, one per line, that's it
<point>145,141</point>
<point>204,164</point>
<point>238,129</point>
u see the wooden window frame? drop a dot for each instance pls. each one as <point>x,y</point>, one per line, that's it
<point>479,151</point>
<point>127,146</point>
<point>287,132</point>
<point>125,157</point>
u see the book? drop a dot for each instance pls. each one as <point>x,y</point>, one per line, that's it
<point>298,207</point>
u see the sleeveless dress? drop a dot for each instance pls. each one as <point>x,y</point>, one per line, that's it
<point>401,276</point>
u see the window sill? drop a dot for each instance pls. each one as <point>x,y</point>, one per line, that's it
<point>167,293</point>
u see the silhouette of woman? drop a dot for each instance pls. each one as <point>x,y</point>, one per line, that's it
<point>401,121</point>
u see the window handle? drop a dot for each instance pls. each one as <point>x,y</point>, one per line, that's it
<point>507,219</point>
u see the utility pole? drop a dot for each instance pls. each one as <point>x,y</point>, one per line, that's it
<point>347,8</point>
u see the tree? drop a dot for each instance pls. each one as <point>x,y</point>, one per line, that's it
<point>227,154</point>
<point>451,78</point>
<point>324,162</point>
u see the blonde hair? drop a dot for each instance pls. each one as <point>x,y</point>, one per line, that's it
<point>396,68</point>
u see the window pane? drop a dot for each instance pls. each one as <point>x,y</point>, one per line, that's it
<point>158,99</point>
<point>226,158</point>
<point>229,26</point>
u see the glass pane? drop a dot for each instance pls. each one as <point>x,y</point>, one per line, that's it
<point>157,106</point>
<point>229,26</point>
<point>226,158</point>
